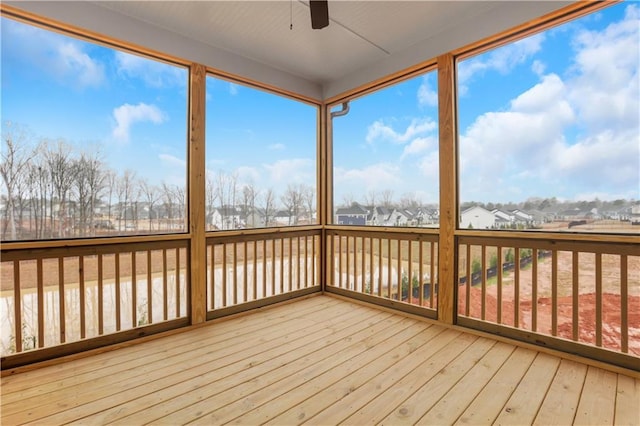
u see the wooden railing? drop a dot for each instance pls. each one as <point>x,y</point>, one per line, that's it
<point>65,296</point>
<point>391,268</point>
<point>579,296</point>
<point>245,269</point>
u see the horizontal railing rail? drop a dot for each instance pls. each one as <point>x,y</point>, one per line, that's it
<point>62,299</point>
<point>578,296</point>
<point>250,269</point>
<point>396,269</point>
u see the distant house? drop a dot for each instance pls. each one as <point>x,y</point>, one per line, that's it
<point>283,218</point>
<point>635,215</point>
<point>477,217</point>
<point>378,216</point>
<point>352,215</point>
<point>226,217</point>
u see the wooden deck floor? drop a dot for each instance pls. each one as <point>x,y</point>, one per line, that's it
<point>321,360</point>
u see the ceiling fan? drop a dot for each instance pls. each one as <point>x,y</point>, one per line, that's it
<point>319,13</point>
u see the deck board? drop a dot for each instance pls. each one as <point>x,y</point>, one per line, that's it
<point>321,360</point>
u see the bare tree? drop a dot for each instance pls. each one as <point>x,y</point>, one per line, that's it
<point>249,195</point>
<point>309,199</point>
<point>348,199</point>
<point>370,198</point>
<point>151,195</point>
<point>61,169</point>
<point>88,184</point>
<point>293,201</point>
<point>211,195</point>
<point>268,205</point>
<point>387,198</point>
<point>167,198</point>
<point>126,192</point>
<point>15,157</point>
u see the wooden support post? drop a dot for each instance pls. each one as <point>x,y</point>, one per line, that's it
<point>447,288</point>
<point>196,171</point>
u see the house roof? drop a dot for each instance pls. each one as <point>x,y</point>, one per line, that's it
<point>365,40</point>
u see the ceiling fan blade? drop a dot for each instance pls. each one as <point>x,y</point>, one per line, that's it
<point>319,13</point>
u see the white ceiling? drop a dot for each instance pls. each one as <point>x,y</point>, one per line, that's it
<point>364,41</point>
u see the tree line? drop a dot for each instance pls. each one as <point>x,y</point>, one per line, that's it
<point>50,189</point>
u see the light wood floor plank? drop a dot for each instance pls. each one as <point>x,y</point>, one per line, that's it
<point>417,400</point>
<point>489,402</point>
<point>525,401</point>
<point>627,401</point>
<point>560,404</point>
<point>212,398</point>
<point>117,382</point>
<point>365,376</point>
<point>395,387</point>
<point>451,406</point>
<point>598,399</point>
<point>321,360</point>
<point>120,403</point>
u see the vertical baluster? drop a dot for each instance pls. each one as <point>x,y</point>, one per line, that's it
<point>500,271</point>
<point>17,305</point>
<point>63,325</point>
<point>399,267</point>
<point>83,319</point>
<point>348,265</point>
<point>483,276</point>
<point>516,289</point>
<point>371,268</point>
<point>534,290</point>
<point>134,291</point>
<point>468,283</point>
<point>245,286</point>
<point>598,299</point>
<point>165,301</point>
<point>290,262</point>
<point>40,303</point>
<point>554,290</point>
<point>264,267</point>
<point>234,269</point>
<point>363,269</point>
<point>379,267</point>
<point>432,272</point>
<point>281,265</point>
<point>421,272</point>
<point>306,281</point>
<point>340,261</point>
<point>178,282</point>
<point>297,280</point>
<point>224,275</point>
<point>273,267</point>
<point>149,290</point>
<point>389,283</point>
<point>117,291</point>
<point>409,272</point>
<point>100,297</point>
<point>255,269</point>
<point>624,304</point>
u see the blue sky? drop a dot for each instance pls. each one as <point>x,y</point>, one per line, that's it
<point>572,90</point>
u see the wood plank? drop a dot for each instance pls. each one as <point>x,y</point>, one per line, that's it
<point>182,408</point>
<point>598,400</point>
<point>347,359</point>
<point>627,401</point>
<point>525,401</point>
<point>487,404</point>
<point>560,404</point>
<point>315,395</point>
<point>454,402</point>
<point>114,388</point>
<point>393,385</point>
<point>416,401</point>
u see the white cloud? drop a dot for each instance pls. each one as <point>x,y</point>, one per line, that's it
<point>233,89</point>
<point>65,59</point>
<point>375,176</point>
<point>419,145</point>
<point>503,60</point>
<point>248,174</point>
<point>538,67</point>
<point>127,115</point>
<point>276,147</point>
<point>380,131</point>
<point>429,168</point>
<point>427,95</point>
<point>299,170</point>
<point>153,73</point>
